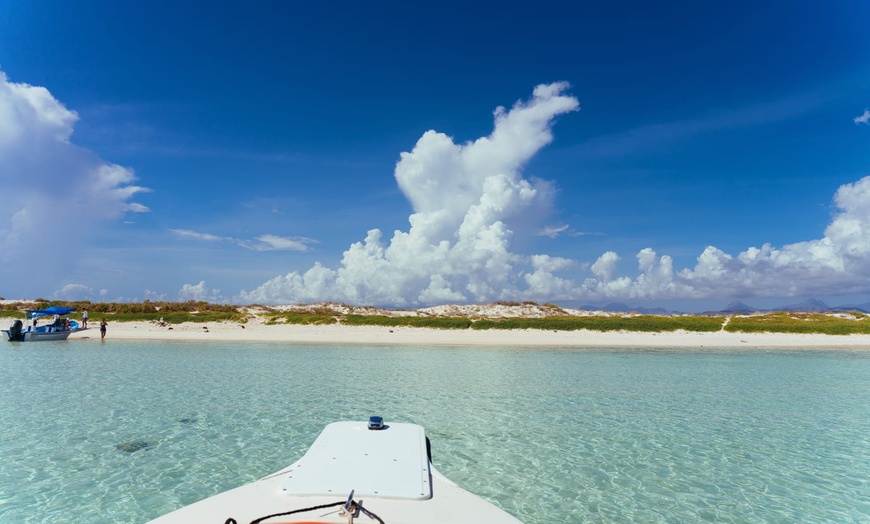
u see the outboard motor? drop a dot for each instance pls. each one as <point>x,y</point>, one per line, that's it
<point>15,330</point>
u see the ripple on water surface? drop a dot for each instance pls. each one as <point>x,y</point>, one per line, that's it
<point>122,432</point>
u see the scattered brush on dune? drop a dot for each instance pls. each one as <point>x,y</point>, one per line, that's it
<point>423,322</point>
<point>808,323</point>
<point>645,323</point>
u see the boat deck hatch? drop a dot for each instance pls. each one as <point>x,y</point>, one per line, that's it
<point>389,463</point>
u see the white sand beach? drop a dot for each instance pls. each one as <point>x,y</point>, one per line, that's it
<point>258,331</point>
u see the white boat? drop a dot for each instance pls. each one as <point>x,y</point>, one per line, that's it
<point>355,472</point>
<point>59,329</point>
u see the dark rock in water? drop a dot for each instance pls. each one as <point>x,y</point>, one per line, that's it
<point>187,420</point>
<point>132,446</point>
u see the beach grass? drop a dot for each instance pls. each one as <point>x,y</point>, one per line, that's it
<point>407,321</point>
<point>147,311</point>
<point>169,317</point>
<point>302,318</point>
<point>642,323</point>
<point>809,323</point>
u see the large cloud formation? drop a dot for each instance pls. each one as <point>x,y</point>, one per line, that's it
<point>54,193</point>
<point>470,200</point>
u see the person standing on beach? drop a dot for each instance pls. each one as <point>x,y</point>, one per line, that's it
<point>84,319</point>
<point>103,329</point>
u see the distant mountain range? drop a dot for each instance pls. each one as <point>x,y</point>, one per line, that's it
<point>619,307</point>
<point>735,308</point>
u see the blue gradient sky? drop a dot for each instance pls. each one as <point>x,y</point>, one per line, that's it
<point>247,147</point>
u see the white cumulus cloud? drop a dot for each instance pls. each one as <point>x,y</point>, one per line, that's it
<point>72,292</point>
<point>200,292</point>
<point>471,200</point>
<point>52,189</point>
<point>837,263</point>
<point>864,118</point>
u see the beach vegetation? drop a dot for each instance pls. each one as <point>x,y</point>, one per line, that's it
<point>324,310</point>
<point>408,321</point>
<point>643,323</point>
<point>556,309</point>
<point>508,303</point>
<point>809,323</point>
<point>147,311</point>
<point>169,312</point>
<point>301,318</point>
<point>173,317</point>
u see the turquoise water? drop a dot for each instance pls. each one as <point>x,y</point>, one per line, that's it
<point>121,432</point>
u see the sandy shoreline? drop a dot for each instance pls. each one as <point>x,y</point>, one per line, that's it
<point>339,334</point>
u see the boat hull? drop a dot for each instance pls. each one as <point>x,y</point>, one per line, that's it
<point>42,333</point>
<point>34,337</point>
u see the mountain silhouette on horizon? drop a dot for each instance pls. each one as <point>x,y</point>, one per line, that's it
<point>738,307</point>
<point>811,305</point>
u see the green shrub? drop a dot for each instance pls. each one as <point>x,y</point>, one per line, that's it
<point>423,322</point>
<point>645,323</point>
<point>800,323</point>
<point>295,317</point>
<point>171,312</point>
<point>170,317</point>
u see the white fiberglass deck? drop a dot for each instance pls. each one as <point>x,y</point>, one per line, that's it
<point>389,463</point>
<point>388,470</point>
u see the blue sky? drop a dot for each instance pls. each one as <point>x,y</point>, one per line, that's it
<point>674,153</point>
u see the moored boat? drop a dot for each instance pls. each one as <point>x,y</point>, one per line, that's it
<point>60,327</point>
<point>355,472</point>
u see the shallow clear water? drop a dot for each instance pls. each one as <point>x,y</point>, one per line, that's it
<point>121,432</point>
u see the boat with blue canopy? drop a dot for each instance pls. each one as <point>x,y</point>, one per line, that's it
<point>59,328</point>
